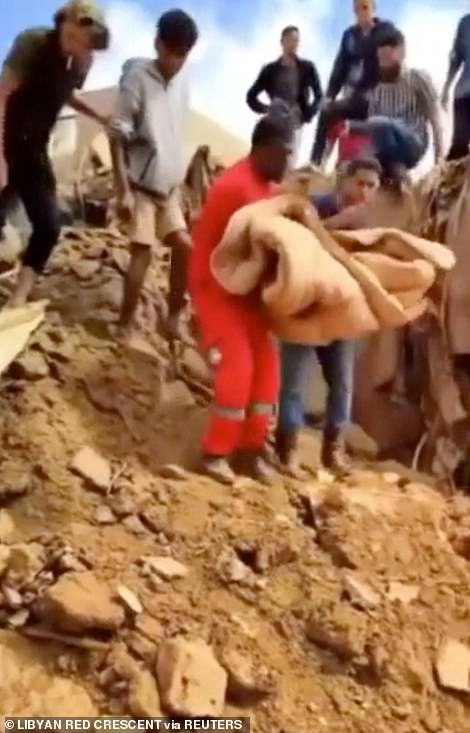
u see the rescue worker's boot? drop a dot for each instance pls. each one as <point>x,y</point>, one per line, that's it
<point>333,454</point>
<point>287,442</point>
<point>254,465</point>
<point>217,468</point>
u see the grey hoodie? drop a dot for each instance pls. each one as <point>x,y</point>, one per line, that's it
<point>151,117</point>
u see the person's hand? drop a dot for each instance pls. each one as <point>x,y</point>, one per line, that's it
<point>352,217</point>
<point>125,206</point>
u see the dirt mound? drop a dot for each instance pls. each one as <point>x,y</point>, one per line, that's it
<point>315,605</point>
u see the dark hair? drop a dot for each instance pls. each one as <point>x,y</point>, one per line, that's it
<point>362,164</point>
<point>177,30</point>
<point>100,35</point>
<point>272,129</point>
<point>288,30</point>
<point>390,36</point>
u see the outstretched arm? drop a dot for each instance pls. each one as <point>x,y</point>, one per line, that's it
<point>84,109</point>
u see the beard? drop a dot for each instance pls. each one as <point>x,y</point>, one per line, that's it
<point>390,74</point>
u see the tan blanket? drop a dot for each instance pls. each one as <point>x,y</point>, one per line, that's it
<point>316,287</point>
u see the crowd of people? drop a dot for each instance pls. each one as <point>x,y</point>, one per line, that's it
<point>380,110</point>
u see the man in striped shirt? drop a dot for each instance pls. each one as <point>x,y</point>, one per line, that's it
<point>402,107</point>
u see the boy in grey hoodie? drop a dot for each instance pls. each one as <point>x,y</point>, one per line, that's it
<point>147,138</point>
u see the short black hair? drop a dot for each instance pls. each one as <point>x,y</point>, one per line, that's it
<point>273,128</point>
<point>177,30</point>
<point>362,164</point>
<point>288,30</point>
<point>390,36</point>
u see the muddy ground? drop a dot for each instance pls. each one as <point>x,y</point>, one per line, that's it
<point>316,605</point>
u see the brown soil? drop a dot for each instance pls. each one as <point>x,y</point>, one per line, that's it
<point>269,569</point>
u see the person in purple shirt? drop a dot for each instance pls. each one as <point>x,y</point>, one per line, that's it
<point>343,209</point>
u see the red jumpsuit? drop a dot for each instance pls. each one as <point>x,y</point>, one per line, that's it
<point>247,377</point>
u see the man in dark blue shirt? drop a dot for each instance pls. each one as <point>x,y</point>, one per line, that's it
<point>460,62</point>
<point>344,209</point>
<point>355,72</point>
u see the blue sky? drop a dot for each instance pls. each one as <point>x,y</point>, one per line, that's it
<point>237,36</point>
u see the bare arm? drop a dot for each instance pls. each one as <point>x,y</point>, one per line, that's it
<point>118,156</point>
<point>84,109</point>
<point>9,82</point>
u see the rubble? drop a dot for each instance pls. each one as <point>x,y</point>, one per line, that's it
<point>130,599</point>
<point>30,366</point>
<point>80,602</point>
<point>7,527</point>
<point>104,515</point>
<point>174,472</point>
<point>144,699</point>
<point>453,666</point>
<point>248,683</point>
<point>360,594</point>
<point>166,567</point>
<point>403,592</point>
<point>192,683</point>
<point>92,467</point>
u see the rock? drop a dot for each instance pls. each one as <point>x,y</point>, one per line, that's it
<point>92,467</point>
<point>31,366</point>
<point>192,683</point>
<point>13,599</point>
<point>325,477</point>
<point>453,666</point>
<point>461,543</point>
<point>7,527</point>
<point>167,568</point>
<point>19,619</point>
<point>340,629</point>
<point>177,394</point>
<point>25,561</point>
<point>150,627</point>
<point>130,599</point>
<point>360,594</point>
<point>391,478</point>
<point>402,592</point>
<point>123,504</point>
<point>176,473</point>
<point>232,570</point>
<point>30,688</point>
<point>247,683</point>
<point>15,483</point>
<point>156,518</point>
<point>144,700</point>
<point>134,525</point>
<point>142,647</point>
<point>359,443</point>
<point>104,515</point>
<point>85,270</point>
<point>110,294</point>
<point>195,366</point>
<point>80,602</point>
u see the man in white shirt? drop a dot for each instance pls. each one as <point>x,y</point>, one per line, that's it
<point>148,155</point>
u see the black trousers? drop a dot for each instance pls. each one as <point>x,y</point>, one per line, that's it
<point>461,133</point>
<point>349,108</point>
<point>31,179</point>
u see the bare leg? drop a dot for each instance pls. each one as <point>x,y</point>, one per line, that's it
<point>23,287</point>
<point>141,256</point>
<point>180,243</point>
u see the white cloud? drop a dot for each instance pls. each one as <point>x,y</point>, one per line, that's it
<point>223,66</point>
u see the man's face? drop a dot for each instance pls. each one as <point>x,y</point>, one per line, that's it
<point>290,43</point>
<point>76,39</point>
<point>361,188</point>
<point>170,61</point>
<point>364,10</point>
<point>273,161</point>
<point>390,57</point>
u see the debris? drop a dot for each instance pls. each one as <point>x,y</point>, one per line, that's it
<point>12,597</point>
<point>134,525</point>
<point>232,570</point>
<point>142,647</point>
<point>92,467</point>
<point>86,269</point>
<point>104,515</point>
<point>176,473</point>
<point>31,366</point>
<point>25,561</point>
<point>130,599</point>
<point>81,642</point>
<point>19,619</point>
<point>80,602</point>
<point>166,567</point>
<point>150,627</point>
<point>144,700</point>
<point>177,395</point>
<point>7,527</point>
<point>360,593</point>
<point>123,504</point>
<point>453,666</point>
<point>191,680</point>
<point>247,683</point>
<point>402,592</point>
<point>15,483</point>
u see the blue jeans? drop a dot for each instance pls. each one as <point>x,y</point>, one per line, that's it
<point>393,141</point>
<point>337,363</point>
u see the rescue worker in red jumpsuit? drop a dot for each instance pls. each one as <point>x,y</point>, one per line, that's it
<point>234,331</point>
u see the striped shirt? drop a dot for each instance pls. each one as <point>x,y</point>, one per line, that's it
<point>412,98</point>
